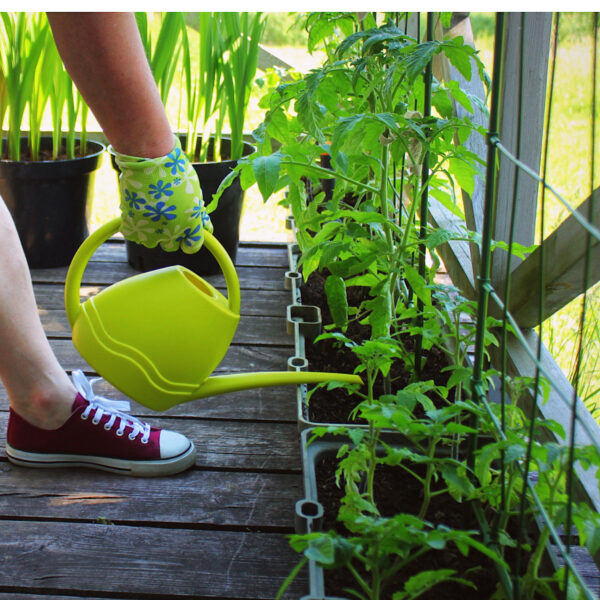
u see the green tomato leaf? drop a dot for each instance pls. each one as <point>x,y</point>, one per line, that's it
<point>337,300</point>
<point>456,479</point>
<point>266,172</point>
<point>459,374</point>
<point>356,434</point>
<point>418,284</point>
<point>425,580</point>
<point>417,58</point>
<point>459,95</point>
<point>464,174</point>
<point>319,31</point>
<point>436,540</point>
<point>459,55</point>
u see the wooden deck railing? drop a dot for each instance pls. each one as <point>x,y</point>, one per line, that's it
<point>566,245</point>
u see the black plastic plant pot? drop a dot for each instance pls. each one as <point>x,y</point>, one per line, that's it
<point>48,201</point>
<point>225,219</point>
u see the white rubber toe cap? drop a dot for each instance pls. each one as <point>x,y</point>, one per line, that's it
<point>173,444</point>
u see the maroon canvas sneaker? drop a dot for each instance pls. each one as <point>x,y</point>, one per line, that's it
<point>99,435</point>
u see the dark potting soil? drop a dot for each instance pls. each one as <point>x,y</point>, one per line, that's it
<point>46,155</point>
<point>335,406</point>
<point>397,492</point>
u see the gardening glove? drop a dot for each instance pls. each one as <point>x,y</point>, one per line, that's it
<point>161,201</point>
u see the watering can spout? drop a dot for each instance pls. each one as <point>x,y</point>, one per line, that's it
<point>225,384</point>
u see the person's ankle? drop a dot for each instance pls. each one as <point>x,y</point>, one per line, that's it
<point>44,408</point>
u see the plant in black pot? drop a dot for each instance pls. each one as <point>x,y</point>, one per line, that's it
<point>219,65</point>
<point>45,181</point>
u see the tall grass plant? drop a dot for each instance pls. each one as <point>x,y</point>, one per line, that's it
<point>22,41</point>
<point>34,81</point>
<point>220,79</point>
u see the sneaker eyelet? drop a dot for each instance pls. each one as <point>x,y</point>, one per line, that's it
<point>131,438</point>
<point>95,422</point>
<point>83,417</point>
<point>145,440</point>
<point>119,433</point>
<point>107,428</point>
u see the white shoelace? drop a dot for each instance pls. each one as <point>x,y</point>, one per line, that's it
<point>103,406</point>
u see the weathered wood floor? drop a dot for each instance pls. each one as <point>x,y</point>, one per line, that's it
<point>216,531</point>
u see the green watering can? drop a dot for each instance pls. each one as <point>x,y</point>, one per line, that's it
<point>158,336</point>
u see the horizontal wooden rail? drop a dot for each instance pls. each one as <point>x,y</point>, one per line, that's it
<point>565,250</point>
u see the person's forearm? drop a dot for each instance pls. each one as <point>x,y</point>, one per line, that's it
<point>105,57</point>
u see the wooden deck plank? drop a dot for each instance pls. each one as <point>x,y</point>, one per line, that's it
<point>239,358</point>
<point>251,329</point>
<point>216,531</point>
<point>18,596</point>
<point>260,404</point>
<point>264,303</point>
<point>194,498</point>
<point>102,273</point>
<point>586,567</point>
<point>230,444</point>
<point>249,254</point>
<point>93,558</point>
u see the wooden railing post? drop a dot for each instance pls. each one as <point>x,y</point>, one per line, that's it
<point>523,93</point>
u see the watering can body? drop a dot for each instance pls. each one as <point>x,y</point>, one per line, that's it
<point>149,333</point>
<point>158,336</point>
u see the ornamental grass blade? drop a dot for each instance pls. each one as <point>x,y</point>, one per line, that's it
<point>166,51</point>
<point>142,23</point>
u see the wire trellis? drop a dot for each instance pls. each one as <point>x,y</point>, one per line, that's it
<point>510,328</point>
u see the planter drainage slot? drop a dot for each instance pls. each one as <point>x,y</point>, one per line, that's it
<point>290,222</point>
<point>297,363</point>
<point>306,318</point>
<point>291,277</point>
<point>309,516</point>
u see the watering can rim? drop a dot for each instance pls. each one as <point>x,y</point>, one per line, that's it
<point>103,233</point>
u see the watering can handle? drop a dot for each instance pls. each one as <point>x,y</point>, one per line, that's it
<point>96,239</point>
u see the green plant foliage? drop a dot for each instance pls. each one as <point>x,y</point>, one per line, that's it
<point>284,29</point>
<point>31,74</point>
<point>359,155</point>
<point>219,83</point>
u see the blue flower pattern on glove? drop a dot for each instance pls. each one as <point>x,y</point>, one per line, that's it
<point>190,236</point>
<point>197,210</point>
<point>134,200</point>
<point>205,219</point>
<point>176,162</point>
<point>161,188</point>
<point>159,210</point>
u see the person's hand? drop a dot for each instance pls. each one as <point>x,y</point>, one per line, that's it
<point>161,201</point>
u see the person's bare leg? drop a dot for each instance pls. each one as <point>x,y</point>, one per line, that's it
<point>105,57</point>
<point>37,386</point>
